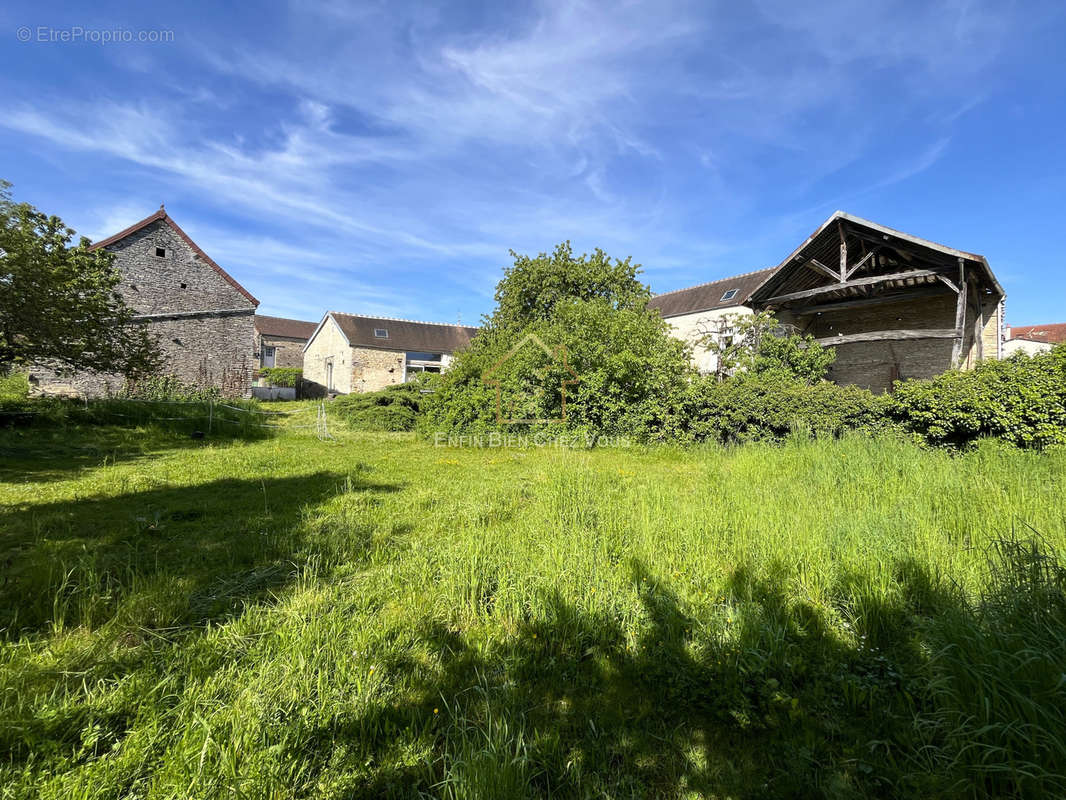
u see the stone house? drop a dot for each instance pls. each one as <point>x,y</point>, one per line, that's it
<point>200,315</point>
<point>894,306</point>
<point>279,342</point>
<point>351,353</point>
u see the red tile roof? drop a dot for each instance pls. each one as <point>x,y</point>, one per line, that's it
<point>285,328</point>
<point>1053,333</point>
<point>161,214</point>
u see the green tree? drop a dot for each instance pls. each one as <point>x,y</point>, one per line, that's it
<point>533,287</point>
<point>573,326</point>
<point>58,302</point>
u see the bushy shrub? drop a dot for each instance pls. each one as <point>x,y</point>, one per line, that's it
<point>395,408</point>
<point>770,407</point>
<point>288,377</point>
<point>1021,400</point>
<point>566,328</point>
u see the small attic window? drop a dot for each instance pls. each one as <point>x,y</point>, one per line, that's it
<point>729,295</point>
<point>161,252</point>
<point>381,333</point>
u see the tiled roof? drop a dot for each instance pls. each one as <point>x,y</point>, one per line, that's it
<point>1053,333</point>
<point>285,328</point>
<point>709,296</point>
<point>403,334</point>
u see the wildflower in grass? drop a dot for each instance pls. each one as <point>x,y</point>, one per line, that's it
<point>436,711</point>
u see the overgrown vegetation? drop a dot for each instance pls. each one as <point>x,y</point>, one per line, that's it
<point>756,344</point>
<point>1021,400</point>
<point>289,377</point>
<point>376,617</point>
<point>395,408</point>
<point>162,388</point>
<point>14,386</point>
<point>570,345</point>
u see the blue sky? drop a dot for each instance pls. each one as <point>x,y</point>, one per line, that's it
<point>383,158</point>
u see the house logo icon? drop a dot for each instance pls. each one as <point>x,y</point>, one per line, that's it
<point>509,410</point>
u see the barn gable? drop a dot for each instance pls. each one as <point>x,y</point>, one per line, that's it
<point>894,305</point>
<point>201,317</point>
<point>164,271</point>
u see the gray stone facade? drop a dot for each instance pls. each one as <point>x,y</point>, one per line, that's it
<point>201,317</point>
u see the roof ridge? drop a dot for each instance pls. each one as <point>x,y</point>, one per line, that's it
<point>404,319</point>
<point>717,280</point>
<point>290,319</point>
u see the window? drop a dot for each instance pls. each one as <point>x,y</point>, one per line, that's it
<point>269,356</point>
<point>381,333</point>
<point>161,252</point>
<point>729,295</point>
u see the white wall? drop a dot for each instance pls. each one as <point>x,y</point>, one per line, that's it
<point>1012,346</point>
<point>688,328</point>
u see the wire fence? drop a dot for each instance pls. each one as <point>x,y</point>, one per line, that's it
<point>209,412</point>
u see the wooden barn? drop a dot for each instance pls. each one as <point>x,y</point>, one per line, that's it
<point>893,305</point>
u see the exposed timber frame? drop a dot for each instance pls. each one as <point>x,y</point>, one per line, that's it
<point>862,302</point>
<point>855,283</point>
<point>893,335</point>
<point>960,314</point>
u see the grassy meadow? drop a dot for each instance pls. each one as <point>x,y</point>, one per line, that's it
<point>374,616</point>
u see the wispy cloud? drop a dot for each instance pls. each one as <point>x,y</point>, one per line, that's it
<point>395,154</point>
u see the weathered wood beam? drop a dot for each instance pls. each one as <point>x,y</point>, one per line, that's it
<point>852,270</point>
<point>843,252</point>
<point>978,323</point>
<point>842,305</point>
<point>889,336</point>
<point>818,266</point>
<point>873,280</point>
<point>944,279</point>
<point>960,315</point>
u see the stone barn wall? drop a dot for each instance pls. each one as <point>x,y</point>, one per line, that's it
<point>374,369</point>
<point>204,324</point>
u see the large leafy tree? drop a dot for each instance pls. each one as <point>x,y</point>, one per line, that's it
<point>573,325</point>
<point>58,301</point>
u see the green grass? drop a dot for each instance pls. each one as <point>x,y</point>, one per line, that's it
<point>376,617</point>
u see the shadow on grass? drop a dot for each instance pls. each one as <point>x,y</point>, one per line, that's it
<point>43,454</point>
<point>158,558</point>
<point>764,699</point>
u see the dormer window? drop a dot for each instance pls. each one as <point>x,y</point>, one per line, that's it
<point>161,252</point>
<point>729,295</point>
<point>381,333</point>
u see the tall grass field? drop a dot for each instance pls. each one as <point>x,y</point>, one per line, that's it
<point>374,616</point>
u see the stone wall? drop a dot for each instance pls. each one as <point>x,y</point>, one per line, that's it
<point>204,324</point>
<point>205,350</point>
<point>329,346</point>
<point>287,352</point>
<point>374,369</point>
